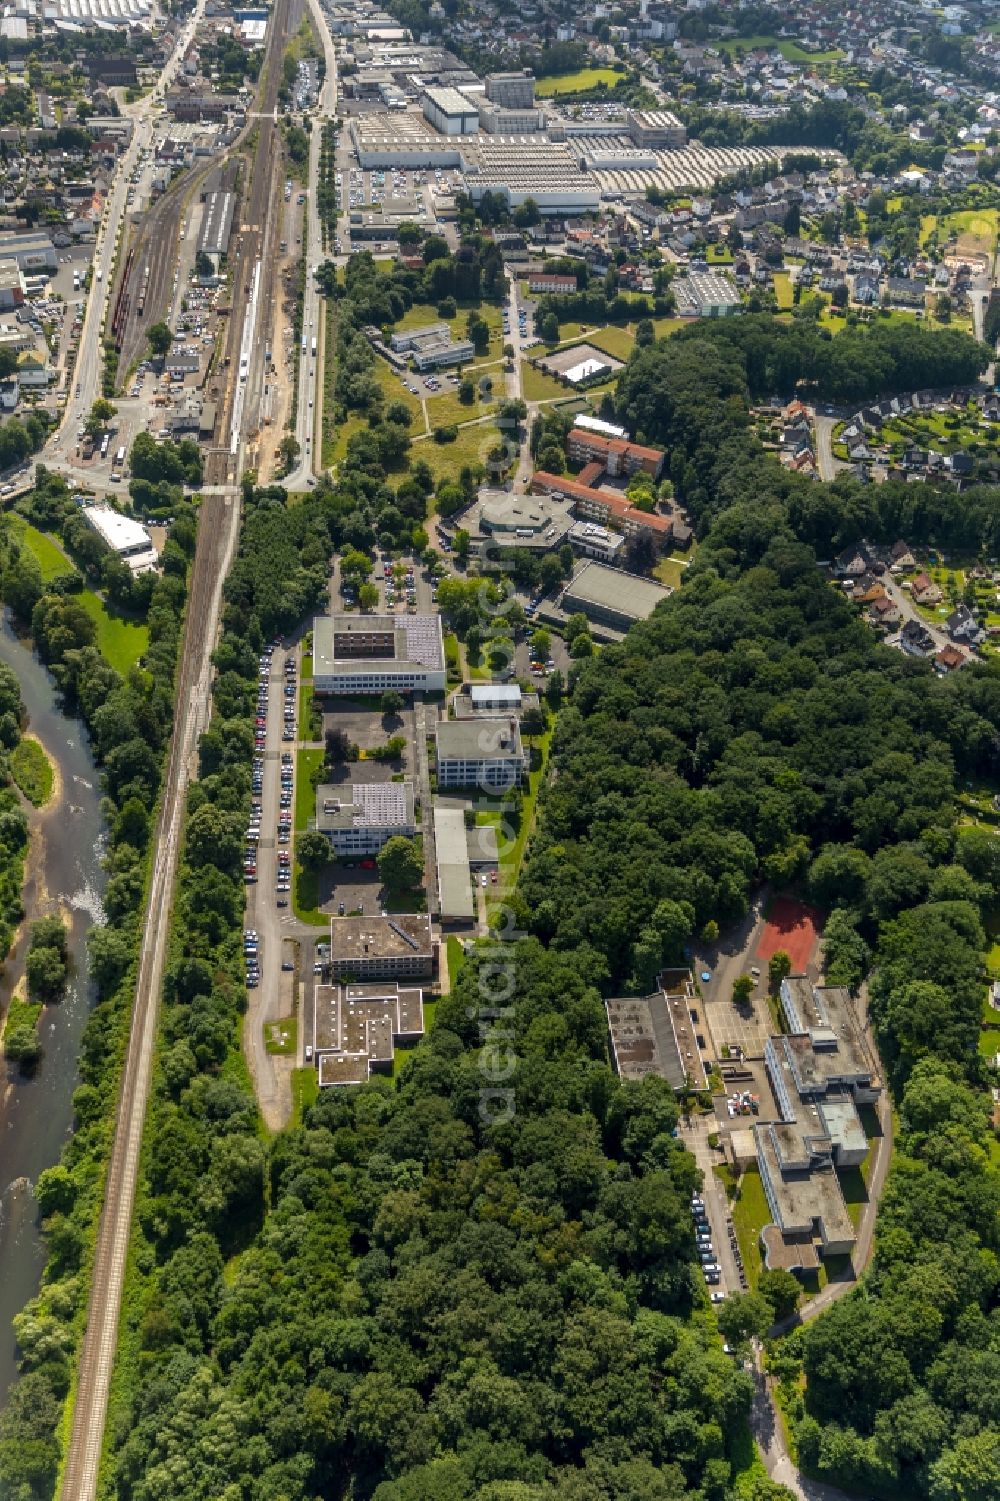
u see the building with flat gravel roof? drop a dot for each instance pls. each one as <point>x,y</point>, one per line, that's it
<point>501,520</point>
<point>485,753</point>
<point>356,1029</point>
<point>454,874</point>
<point>655,1034</point>
<point>382,948</point>
<point>369,654</point>
<point>820,1069</point>
<point>359,818</point>
<point>607,596</point>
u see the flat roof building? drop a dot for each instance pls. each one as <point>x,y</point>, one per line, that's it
<point>821,1069</point>
<point>485,753</point>
<point>501,520</point>
<point>511,90</point>
<point>382,948</point>
<point>356,1029</point>
<point>216,225</point>
<point>365,654</point>
<point>706,294</point>
<point>455,899</point>
<point>592,540</point>
<point>656,128</point>
<point>655,1034</point>
<point>612,598</point>
<point>450,112</point>
<point>11,285</point>
<point>124,535</point>
<point>359,818</point>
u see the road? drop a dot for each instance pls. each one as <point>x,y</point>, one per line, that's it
<point>218,529</point>
<point>88,374</point>
<point>308,411</point>
<point>828,466</point>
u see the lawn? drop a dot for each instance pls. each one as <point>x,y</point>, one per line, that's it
<point>470,447</point>
<point>305,898</point>
<point>306,762</point>
<point>671,570</point>
<point>32,771</point>
<point>790,51</point>
<point>783,289</point>
<point>456,958</point>
<point>310,721</point>
<point>281,1037</point>
<point>121,642</point>
<point>538,385</point>
<point>512,850</point>
<point>47,553</point>
<point>750,1215</point>
<point>447,408</point>
<point>305,1092</point>
<point>577,83</point>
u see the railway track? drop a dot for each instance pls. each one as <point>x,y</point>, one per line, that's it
<point>218,529</point>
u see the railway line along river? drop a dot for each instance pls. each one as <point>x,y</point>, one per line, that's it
<point>63,875</point>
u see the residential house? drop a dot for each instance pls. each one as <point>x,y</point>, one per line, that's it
<point>901,559</point>
<point>916,640</point>
<point>948,659</point>
<point>924,590</point>
<point>963,626</point>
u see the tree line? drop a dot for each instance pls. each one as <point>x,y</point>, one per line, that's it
<point>129,721</point>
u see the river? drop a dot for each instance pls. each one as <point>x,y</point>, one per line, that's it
<point>36,1115</point>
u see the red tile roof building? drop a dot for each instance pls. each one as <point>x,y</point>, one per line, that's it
<point>616,455</point>
<point>604,506</point>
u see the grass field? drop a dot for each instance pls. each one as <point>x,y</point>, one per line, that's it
<point>790,51</point>
<point>470,447</point>
<point>32,771</point>
<point>306,762</point>
<point>538,385</point>
<point>975,230</point>
<point>671,570</point>
<point>783,289</point>
<point>577,83</point>
<point>456,958</point>
<point>121,642</point>
<point>281,1037</point>
<point>750,1214</point>
<point>305,1092</point>
<point>305,897</point>
<point>46,552</point>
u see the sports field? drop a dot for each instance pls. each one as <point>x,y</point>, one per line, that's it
<point>791,926</point>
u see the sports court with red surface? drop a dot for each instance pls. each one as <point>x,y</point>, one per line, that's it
<point>791,926</point>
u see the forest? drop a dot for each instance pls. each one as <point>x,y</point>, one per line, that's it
<point>129,724</point>
<point>753,729</point>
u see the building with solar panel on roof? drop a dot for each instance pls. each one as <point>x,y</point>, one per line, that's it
<point>359,818</point>
<point>370,654</point>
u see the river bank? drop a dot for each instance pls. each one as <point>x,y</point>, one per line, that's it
<point>63,876</point>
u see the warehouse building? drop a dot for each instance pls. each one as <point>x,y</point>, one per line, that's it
<point>31,249</point>
<point>454,875</point>
<point>485,753</point>
<point>216,226</point>
<point>511,122</point>
<point>706,294</point>
<point>125,536</point>
<point>368,654</point>
<point>382,948</point>
<point>611,598</point>
<point>358,819</point>
<point>450,112</point>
